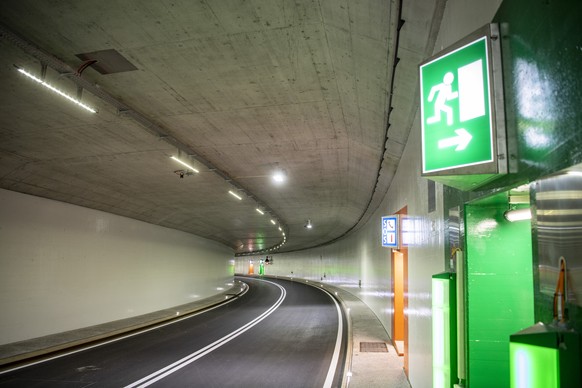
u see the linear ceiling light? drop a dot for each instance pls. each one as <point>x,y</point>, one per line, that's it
<point>273,222</point>
<point>184,164</point>
<point>260,211</point>
<point>517,215</point>
<point>235,195</point>
<point>57,91</point>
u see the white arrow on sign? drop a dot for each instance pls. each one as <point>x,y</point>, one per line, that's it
<point>461,140</point>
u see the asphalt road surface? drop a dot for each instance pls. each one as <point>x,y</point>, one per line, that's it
<point>278,334</point>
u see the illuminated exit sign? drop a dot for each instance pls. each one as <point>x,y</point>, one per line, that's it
<point>462,108</point>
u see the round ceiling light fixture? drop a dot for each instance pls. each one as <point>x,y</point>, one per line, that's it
<point>279,176</point>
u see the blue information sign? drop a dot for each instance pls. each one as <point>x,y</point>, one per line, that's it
<point>390,231</point>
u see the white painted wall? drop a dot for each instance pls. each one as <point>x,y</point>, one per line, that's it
<point>359,256</point>
<point>64,267</point>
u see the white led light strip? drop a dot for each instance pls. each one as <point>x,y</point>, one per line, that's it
<point>57,91</point>
<point>235,195</point>
<point>184,164</point>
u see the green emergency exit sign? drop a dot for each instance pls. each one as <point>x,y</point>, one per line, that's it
<point>457,110</point>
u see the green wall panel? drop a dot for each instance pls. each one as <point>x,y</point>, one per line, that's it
<point>499,291</point>
<point>542,71</point>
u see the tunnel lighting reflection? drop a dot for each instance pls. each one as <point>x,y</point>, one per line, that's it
<point>421,312</point>
<point>536,138</point>
<point>184,164</point>
<point>485,226</point>
<point>235,195</point>
<point>57,91</point>
<point>535,85</point>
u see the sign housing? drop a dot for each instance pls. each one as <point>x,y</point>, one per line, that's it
<point>462,115</point>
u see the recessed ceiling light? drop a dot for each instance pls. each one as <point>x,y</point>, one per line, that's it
<point>279,176</point>
<point>518,215</point>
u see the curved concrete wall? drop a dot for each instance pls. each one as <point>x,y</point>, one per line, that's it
<point>359,264</point>
<point>64,267</point>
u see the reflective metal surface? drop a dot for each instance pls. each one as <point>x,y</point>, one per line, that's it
<point>559,231</point>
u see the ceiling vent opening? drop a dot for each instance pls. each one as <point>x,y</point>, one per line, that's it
<point>107,61</point>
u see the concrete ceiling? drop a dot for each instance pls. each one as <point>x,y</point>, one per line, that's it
<point>237,88</point>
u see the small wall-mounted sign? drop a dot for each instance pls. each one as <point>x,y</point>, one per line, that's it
<point>390,231</point>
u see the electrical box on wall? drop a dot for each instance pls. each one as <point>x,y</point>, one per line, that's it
<point>462,112</point>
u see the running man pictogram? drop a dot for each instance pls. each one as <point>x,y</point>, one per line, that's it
<point>444,92</point>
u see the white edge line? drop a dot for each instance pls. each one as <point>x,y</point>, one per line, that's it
<point>160,374</point>
<point>338,343</point>
<point>127,335</point>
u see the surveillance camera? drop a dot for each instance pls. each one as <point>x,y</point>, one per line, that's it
<point>181,174</point>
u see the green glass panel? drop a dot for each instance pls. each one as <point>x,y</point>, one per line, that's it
<point>534,366</point>
<point>441,341</point>
<point>499,291</point>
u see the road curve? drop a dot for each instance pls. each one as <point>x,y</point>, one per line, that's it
<point>279,334</point>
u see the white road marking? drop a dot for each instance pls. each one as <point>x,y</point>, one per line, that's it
<point>166,371</point>
<point>338,345</point>
<point>123,337</point>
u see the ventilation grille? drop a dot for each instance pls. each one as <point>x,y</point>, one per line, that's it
<point>373,347</point>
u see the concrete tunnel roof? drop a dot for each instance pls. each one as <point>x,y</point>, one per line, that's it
<point>325,91</point>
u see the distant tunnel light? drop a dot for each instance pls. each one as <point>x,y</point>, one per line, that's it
<point>273,222</point>
<point>57,91</point>
<point>235,195</point>
<point>184,164</point>
<point>260,211</point>
<point>517,215</point>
